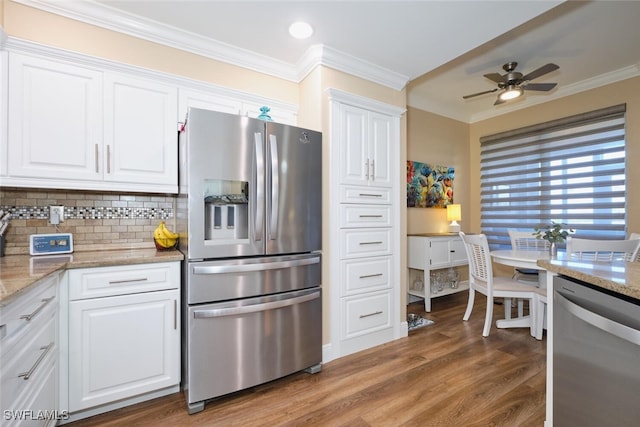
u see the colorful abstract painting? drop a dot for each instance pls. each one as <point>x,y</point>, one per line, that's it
<point>429,186</point>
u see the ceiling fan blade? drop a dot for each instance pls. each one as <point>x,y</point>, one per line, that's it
<point>541,71</point>
<point>479,93</point>
<point>539,86</point>
<point>495,77</point>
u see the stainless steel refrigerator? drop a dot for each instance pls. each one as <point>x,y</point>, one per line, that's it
<point>249,217</point>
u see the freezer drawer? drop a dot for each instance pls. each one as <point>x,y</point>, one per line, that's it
<point>239,344</point>
<point>214,281</point>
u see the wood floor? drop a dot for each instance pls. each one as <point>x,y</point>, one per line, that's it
<point>445,374</point>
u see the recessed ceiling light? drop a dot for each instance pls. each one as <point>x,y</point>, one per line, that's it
<point>300,30</point>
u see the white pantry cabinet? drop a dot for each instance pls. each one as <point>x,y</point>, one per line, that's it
<point>29,355</point>
<point>366,139</point>
<point>124,334</point>
<point>79,127</point>
<point>365,223</point>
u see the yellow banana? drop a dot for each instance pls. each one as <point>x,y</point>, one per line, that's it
<point>163,236</point>
<point>168,233</point>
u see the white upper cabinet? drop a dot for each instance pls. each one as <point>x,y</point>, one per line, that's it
<point>78,127</point>
<point>366,136</point>
<point>55,116</point>
<point>140,132</point>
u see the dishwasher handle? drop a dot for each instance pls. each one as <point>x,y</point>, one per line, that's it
<point>234,311</point>
<point>618,329</point>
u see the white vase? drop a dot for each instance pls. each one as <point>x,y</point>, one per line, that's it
<point>553,249</point>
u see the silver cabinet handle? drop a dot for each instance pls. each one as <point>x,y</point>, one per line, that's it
<point>373,170</point>
<point>96,154</point>
<point>233,311</point>
<point>108,158</point>
<point>259,186</point>
<point>370,243</point>
<point>27,375</point>
<point>275,185</point>
<point>45,301</point>
<point>117,282</point>
<point>362,316</point>
<point>240,268</point>
<point>366,276</point>
<point>370,216</point>
<point>367,169</point>
<point>175,315</point>
<point>369,195</point>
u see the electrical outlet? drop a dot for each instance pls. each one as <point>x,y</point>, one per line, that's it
<point>56,214</point>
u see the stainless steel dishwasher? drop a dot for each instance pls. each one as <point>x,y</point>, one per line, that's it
<point>596,356</point>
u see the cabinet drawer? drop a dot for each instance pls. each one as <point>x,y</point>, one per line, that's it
<point>369,275</point>
<point>364,216</point>
<point>377,196</point>
<point>17,317</point>
<point>24,367</point>
<point>366,314</point>
<point>122,280</point>
<point>369,242</point>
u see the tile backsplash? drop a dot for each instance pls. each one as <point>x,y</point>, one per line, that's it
<point>96,220</point>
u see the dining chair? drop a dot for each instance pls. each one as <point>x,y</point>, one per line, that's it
<point>526,241</point>
<point>540,312</point>
<point>602,250</point>
<point>482,280</point>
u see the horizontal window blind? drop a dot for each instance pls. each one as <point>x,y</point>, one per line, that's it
<point>570,171</point>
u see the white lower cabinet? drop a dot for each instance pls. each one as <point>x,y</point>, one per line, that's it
<point>28,355</point>
<point>124,334</point>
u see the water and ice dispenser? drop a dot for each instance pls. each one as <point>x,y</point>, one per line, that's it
<point>226,210</point>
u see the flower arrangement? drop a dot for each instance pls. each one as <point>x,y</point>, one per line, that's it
<point>552,233</point>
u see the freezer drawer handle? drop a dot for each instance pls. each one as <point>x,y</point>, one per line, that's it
<point>27,375</point>
<point>45,301</point>
<point>217,269</point>
<point>375,313</point>
<point>621,331</point>
<point>233,311</point>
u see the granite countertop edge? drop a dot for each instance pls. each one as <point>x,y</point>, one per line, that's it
<point>620,277</point>
<point>18,273</point>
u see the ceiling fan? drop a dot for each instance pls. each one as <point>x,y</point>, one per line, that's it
<point>513,83</point>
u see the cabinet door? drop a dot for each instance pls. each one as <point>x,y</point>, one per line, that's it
<point>141,126</point>
<point>354,146</point>
<point>440,256</point>
<point>55,116</point>
<point>458,252</point>
<point>190,98</point>
<point>380,150</point>
<point>122,346</point>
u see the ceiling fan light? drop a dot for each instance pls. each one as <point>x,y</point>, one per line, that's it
<point>511,92</point>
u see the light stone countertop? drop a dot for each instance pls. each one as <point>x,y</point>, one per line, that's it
<point>618,276</point>
<point>19,272</point>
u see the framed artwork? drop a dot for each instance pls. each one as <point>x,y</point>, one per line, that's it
<point>429,186</point>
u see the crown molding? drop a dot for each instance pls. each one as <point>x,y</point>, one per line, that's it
<point>121,22</point>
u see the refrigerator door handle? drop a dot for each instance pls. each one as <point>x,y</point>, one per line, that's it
<point>259,190</point>
<point>240,268</point>
<point>275,185</point>
<point>234,311</point>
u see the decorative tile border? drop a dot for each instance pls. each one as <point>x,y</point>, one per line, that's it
<point>72,212</point>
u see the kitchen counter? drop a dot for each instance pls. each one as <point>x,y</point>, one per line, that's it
<point>19,272</point>
<point>618,276</point>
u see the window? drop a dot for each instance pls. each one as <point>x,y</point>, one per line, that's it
<point>570,171</point>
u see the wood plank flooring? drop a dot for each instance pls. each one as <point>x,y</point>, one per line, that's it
<point>445,374</point>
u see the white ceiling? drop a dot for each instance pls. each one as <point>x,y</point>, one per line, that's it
<point>438,49</point>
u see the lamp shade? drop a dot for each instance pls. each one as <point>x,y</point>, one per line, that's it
<point>453,213</point>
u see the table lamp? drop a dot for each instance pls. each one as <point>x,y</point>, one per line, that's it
<point>454,215</point>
